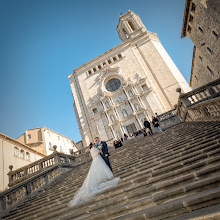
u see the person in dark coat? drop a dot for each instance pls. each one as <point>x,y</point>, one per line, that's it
<point>103,147</point>
<point>116,144</point>
<point>147,126</point>
<point>156,124</point>
<point>119,143</point>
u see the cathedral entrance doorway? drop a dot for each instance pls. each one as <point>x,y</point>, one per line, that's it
<point>131,128</point>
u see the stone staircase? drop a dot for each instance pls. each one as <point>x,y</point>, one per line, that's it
<point>170,175</point>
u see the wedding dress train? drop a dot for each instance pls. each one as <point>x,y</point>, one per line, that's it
<point>99,178</point>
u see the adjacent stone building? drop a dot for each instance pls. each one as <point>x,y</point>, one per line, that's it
<point>201,23</point>
<point>43,139</point>
<point>16,154</point>
<point>115,91</point>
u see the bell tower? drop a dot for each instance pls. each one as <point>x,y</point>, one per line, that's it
<point>129,26</point>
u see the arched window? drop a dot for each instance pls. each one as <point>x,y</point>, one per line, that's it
<point>112,117</point>
<point>16,151</point>
<point>130,93</point>
<point>131,25</point>
<point>21,154</point>
<point>27,156</point>
<point>107,104</point>
<point>124,112</point>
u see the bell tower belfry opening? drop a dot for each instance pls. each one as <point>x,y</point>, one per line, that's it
<point>129,26</point>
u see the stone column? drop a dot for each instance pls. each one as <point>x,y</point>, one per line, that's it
<point>115,136</point>
<point>139,122</point>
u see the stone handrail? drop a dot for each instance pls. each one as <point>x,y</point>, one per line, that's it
<point>29,170</point>
<point>208,110</point>
<point>29,179</point>
<point>166,115</point>
<point>81,151</point>
<point>197,96</point>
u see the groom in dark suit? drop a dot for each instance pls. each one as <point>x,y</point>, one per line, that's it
<point>105,153</point>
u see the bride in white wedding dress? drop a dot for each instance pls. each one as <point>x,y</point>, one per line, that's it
<point>99,178</point>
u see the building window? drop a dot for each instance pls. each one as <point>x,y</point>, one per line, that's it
<point>144,87</point>
<point>95,110</point>
<point>210,51</point>
<point>113,85</point>
<point>50,145</point>
<point>210,70</point>
<point>200,29</point>
<point>109,61</point>
<point>114,58</point>
<point>191,18</point>
<point>119,56</point>
<point>22,154</point>
<point>104,64</point>
<point>48,133</point>
<point>193,7</point>
<point>215,34</point>
<point>189,29</point>
<point>29,136</point>
<point>27,156</point>
<point>89,72</point>
<point>16,151</point>
<point>99,67</point>
<point>131,25</point>
<point>94,69</point>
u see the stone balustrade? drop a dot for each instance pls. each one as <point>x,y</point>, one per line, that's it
<point>190,100</point>
<point>209,109</point>
<point>168,119</point>
<point>28,179</point>
<point>81,151</point>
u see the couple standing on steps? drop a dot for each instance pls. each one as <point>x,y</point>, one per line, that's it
<point>99,177</point>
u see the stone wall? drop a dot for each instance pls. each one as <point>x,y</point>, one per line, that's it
<point>203,28</point>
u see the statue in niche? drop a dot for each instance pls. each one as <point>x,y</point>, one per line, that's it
<point>124,112</point>
<point>112,118</point>
<point>107,104</point>
<point>136,106</point>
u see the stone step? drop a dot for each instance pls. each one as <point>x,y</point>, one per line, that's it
<point>161,185</point>
<point>154,171</point>
<point>207,213</point>
<point>176,207</point>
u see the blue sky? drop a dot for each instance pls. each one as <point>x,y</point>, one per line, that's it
<point>42,41</point>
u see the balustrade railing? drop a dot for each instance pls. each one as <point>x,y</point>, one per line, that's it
<point>190,100</point>
<point>207,110</point>
<point>167,115</point>
<point>28,179</point>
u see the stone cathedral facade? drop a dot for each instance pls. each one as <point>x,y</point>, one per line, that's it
<point>115,91</point>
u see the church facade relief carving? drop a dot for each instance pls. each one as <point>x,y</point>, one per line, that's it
<point>115,91</point>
